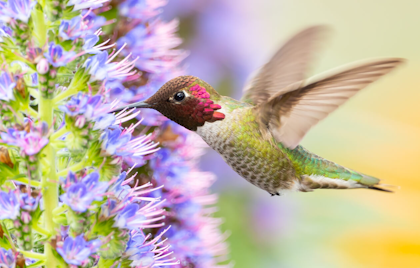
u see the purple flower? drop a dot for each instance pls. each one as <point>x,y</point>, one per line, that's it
<point>90,108</point>
<point>80,194</point>
<point>128,218</point>
<point>7,258</point>
<point>104,121</point>
<point>57,56</point>
<point>28,202</point>
<point>141,9</point>
<point>9,205</point>
<point>17,9</point>
<point>144,253</point>
<point>117,142</point>
<point>77,197</point>
<point>118,188</point>
<point>152,117</point>
<point>94,21</point>
<point>132,215</point>
<point>71,29</point>
<point>85,4</point>
<point>6,86</point>
<point>30,143</point>
<point>101,67</point>
<point>90,42</point>
<point>154,46</point>
<point>4,31</point>
<point>187,210</point>
<point>34,79</point>
<point>170,168</point>
<point>77,251</point>
<point>94,185</point>
<point>141,255</point>
<point>114,141</point>
<point>97,65</point>
<point>77,105</point>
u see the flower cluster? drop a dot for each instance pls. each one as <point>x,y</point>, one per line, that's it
<point>80,186</point>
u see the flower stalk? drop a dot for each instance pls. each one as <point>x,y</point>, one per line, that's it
<point>80,186</point>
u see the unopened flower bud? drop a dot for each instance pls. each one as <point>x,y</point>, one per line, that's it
<point>43,66</point>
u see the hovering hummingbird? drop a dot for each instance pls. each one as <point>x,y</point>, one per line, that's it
<point>259,136</point>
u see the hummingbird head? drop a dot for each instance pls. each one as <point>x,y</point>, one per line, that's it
<point>186,100</point>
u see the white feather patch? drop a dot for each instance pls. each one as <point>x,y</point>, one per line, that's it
<point>324,180</point>
<point>295,188</point>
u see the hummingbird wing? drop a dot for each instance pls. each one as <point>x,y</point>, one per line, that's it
<point>289,116</point>
<point>289,65</point>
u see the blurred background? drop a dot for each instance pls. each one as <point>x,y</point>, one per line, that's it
<point>377,132</point>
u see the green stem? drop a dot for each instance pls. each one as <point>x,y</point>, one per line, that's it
<point>26,181</point>
<point>49,182</point>
<point>59,133</point>
<point>60,210</point>
<point>39,263</point>
<point>34,93</point>
<point>40,230</point>
<point>32,112</point>
<point>32,255</point>
<point>65,94</point>
<point>74,168</point>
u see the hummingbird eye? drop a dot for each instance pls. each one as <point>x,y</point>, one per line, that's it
<point>179,96</point>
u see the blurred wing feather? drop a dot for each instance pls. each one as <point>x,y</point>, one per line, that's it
<point>289,116</point>
<point>290,64</point>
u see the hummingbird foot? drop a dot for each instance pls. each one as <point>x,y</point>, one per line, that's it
<point>275,194</point>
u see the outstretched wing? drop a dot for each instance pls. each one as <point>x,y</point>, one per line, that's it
<point>289,116</point>
<point>290,64</point>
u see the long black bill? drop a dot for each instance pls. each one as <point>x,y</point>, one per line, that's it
<point>140,104</point>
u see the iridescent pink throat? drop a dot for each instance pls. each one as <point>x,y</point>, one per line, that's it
<point>205,109</point>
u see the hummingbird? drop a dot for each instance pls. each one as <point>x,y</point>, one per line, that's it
<point>259,135</point>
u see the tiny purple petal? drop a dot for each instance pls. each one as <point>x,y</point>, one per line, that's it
<point>7,258</point>
<point>71,29</point>
<point>7,85</point>
<point>9,205</point>
<point>17,9</point>
<point>76,251</point>
<point>30,143</point>
<point>57,56</point>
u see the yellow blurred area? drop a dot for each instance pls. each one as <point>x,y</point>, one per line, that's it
<point>382,247</point>
<point>377,133</point>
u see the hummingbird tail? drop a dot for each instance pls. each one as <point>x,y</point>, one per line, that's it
<point>380,189</point>
<point>311,182</point>
<point>319,173</point>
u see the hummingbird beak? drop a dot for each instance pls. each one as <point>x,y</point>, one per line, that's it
<point>140,104</point>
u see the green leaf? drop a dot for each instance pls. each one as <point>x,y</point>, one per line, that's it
<point>36,264</point>
<point>4,243</point>
<point>59,259</point>
<point>79,82</point>
<point>103,263</point>
<point>39,27</point>
<point>118,243</point>
<point>77,221</point>
<point>67,45</point>
<point>8,172</point>
<point>60,219</point>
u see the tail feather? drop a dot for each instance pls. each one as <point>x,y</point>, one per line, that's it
<point>379,189</point>
<point>319,173</point>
